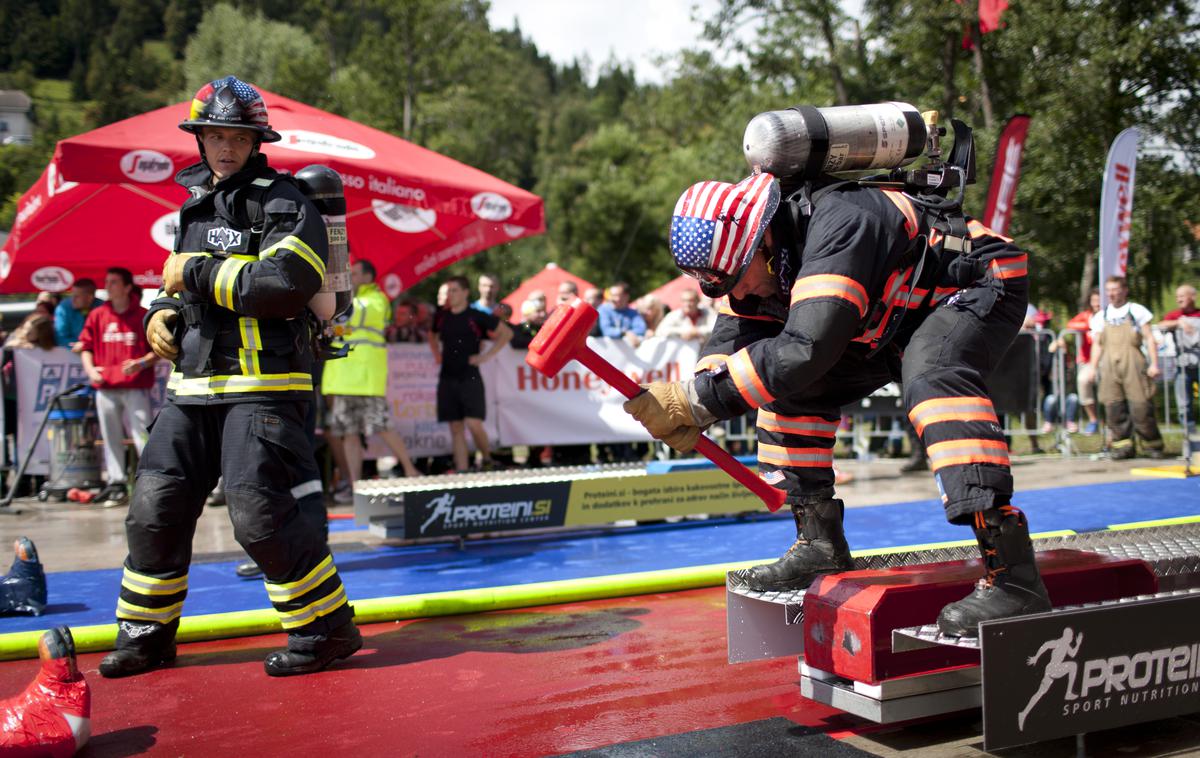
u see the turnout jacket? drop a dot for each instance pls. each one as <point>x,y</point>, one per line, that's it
<point>243,329</point>
<point>871,269</point>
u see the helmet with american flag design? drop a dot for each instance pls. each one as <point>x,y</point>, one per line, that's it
<point>717,227</point>
<point>229,102</point>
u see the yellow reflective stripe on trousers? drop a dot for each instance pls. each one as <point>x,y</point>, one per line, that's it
<point>251,344</point>
<point>297,246</point>
<point>281,593</point>
<point>140,613</point>
<point>226,280</point>
<point>314,610</point>
<point>219,385</point>
<point>148,585</point>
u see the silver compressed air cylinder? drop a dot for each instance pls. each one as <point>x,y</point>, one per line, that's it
<point>323,186</point>
<point>806,141</point>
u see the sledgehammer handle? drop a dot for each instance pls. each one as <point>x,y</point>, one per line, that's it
<point>621,383</point>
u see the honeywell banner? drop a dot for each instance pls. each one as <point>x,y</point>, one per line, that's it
<point>1005,174</point>
<point>1116,207</point>
<point>576,406</point>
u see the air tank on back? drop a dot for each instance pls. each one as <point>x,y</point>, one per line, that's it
<point>323,186</point>
<point>806,141</point>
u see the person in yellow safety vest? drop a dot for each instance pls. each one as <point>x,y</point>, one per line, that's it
<point>357,384</point>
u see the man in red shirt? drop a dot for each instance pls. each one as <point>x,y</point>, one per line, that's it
<point>1185,336</point>
<point>119,362</point>
<point>1085,372</point>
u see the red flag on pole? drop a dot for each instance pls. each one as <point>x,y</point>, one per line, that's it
<point>1005,174</point>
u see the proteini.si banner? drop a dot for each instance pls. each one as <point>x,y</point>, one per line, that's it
<point>1116,207</point>
<point>1005,174</point>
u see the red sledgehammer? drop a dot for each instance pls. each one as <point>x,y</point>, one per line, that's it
<point>563,338</point>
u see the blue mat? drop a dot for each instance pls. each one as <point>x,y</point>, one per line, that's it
<point>88,597</point>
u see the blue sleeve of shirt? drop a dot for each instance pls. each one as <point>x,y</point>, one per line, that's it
<point>64,335</point>
<point>610,322</point>
<point>638,325</point>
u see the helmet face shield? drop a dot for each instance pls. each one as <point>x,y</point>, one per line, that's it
<point>717,227</point>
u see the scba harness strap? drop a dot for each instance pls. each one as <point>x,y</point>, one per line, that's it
<point>927,258</point>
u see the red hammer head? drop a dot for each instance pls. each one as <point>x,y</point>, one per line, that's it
<point>561,336</point>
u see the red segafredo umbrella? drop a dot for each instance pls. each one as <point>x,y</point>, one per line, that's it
<point>410,211</point>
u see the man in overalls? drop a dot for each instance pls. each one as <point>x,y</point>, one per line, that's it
<point>1126,383</point>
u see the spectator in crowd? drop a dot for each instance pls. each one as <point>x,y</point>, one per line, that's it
<point>1126,381</point>
<point>567,291</point>
<point>1184,324</point>
<point>356,385</point>
<point>47,303</point>
<point>618,320</point>
<point>119,362</point>
<point>594,297</point>
<point>533,315</point>
<point>406,327</point>
<point>538,296</point>
<point>503,311</point>
<point>455,341</point>
<point>652,311</point>
<point>71,313</point>
<point>37,330</point>
<point>690,321</point>
<point>489,293</point>
<point>1085,371</point>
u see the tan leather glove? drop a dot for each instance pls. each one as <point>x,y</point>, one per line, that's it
<point>667,414</point>
<point>172,274</point>
<point>160,333</point>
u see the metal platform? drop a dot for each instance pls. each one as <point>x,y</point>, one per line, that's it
<point>920,637</point>
<point>768,624</point>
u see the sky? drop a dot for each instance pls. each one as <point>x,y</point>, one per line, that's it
<point>632,30</point>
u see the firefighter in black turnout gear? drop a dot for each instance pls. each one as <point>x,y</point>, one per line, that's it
<point>830,293</point>
<point>250,254</point>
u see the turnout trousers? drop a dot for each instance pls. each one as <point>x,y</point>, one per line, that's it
<point>275,503</point>
<point>942,369</point>
<point>1125,391</point>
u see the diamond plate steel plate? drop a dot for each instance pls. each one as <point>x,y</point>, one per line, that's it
<point>372,489</point>
<point>918,637</point>
<point>1171,551</point>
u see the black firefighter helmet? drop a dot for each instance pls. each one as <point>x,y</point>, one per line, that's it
<point>229,102</point>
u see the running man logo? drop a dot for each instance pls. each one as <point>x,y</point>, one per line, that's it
<point>443,507</point>
<point>1058,665</point>
<point>224,238</point>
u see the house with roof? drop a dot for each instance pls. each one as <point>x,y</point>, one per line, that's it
<point>15,125</point>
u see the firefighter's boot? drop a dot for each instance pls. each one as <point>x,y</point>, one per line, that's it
<point>23,590</point>
<point>306,654</point>
<point>820,548</point>
<point>1012,585</point>
<point>140,647</point>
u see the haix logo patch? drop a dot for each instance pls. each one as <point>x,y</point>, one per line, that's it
<point>224,238</point>
<point>146,166</point>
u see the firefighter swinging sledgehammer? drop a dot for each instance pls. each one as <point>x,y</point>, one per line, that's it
<point>835,289</point>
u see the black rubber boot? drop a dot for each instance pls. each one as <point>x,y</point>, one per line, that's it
<point>140,647</point>
<point>820,548</point>
<point>308,654</point>
<point>23,590</point>
<point>1012,585</point>
<point>248,569</point>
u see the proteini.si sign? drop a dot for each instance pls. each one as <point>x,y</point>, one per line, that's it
<point>1073,672</point>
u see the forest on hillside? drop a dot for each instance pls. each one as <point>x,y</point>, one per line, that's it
<point>610,155</point>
